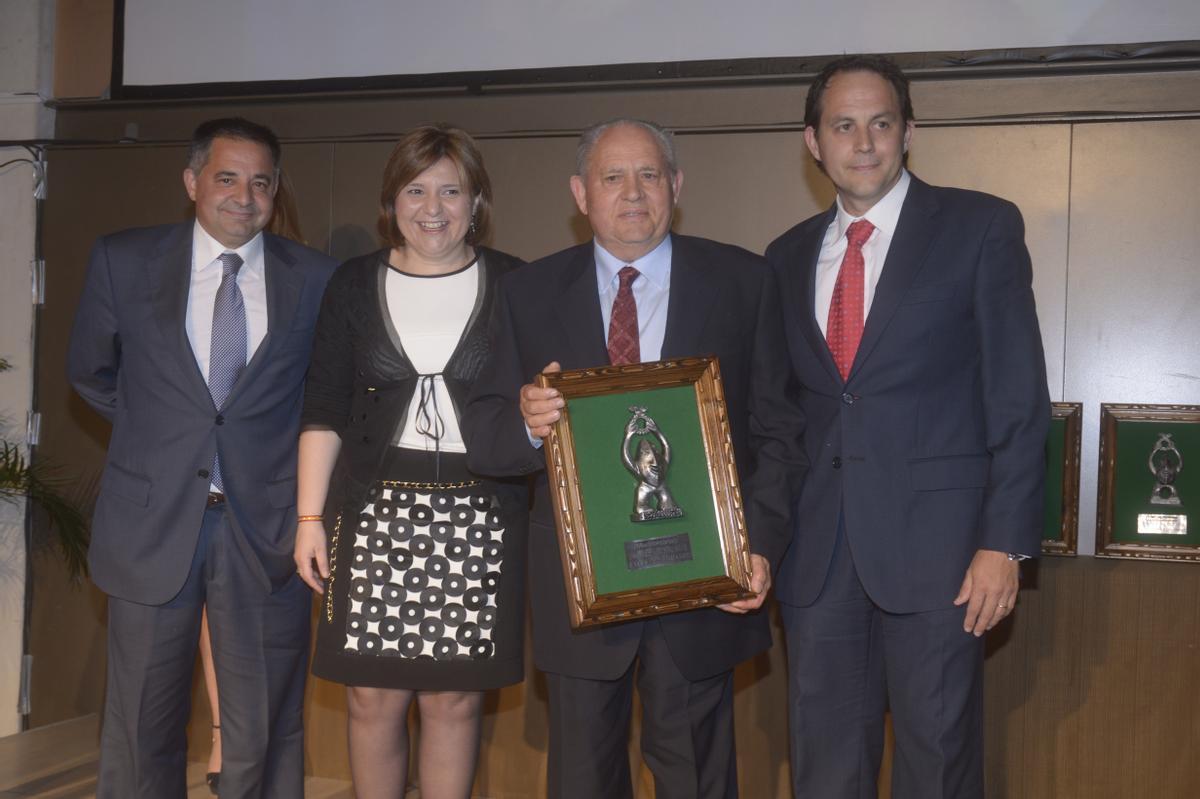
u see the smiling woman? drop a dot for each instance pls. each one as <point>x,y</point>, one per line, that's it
<point>423,578</point>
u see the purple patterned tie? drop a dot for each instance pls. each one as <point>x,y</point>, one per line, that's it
<point>227,354</point>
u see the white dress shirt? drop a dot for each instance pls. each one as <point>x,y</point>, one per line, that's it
<point>202,293</point>
<point>883,215</point>
<point>650,291</point>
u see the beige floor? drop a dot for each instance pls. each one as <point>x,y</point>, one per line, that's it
<point>59,762</point>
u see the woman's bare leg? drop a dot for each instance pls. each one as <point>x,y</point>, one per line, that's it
<point>378,732</point>
<point>449,747</point>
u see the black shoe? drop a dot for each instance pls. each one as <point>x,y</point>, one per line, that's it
<point>213,778</point>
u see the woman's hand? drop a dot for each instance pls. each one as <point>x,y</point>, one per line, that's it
<point>310,548</point>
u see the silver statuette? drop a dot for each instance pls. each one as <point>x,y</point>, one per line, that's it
<point>652,498</point>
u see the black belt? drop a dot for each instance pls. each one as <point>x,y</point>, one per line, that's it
<point>215,498</point>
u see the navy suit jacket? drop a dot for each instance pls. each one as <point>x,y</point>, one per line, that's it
<point>934,447</point>
<point>723,302</point>
<point>130,359</point>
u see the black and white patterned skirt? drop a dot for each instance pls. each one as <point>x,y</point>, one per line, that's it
<point>418,589</point>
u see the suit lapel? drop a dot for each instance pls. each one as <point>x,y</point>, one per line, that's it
<point>689,301</point>
<point>914,233</point>
<point>169,276</point>
<point>578,310</point>
<point>283,296</point>
<point>806,254</point>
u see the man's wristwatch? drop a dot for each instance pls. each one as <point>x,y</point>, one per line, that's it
<point>1017,556</point>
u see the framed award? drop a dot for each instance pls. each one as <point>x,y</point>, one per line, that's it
<point>1148,497</point>
<point>1060,525</point>
<point>645,491</point>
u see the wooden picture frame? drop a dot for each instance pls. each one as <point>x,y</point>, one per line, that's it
<point>1134,517</point>
<point>619,565</point>
<point>1060,536</point>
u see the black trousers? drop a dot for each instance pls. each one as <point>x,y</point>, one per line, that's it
<point>260,650</point>
<point>687,730</point>
<point>848,662</point>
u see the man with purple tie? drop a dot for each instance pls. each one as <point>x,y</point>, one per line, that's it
<point>193,340</point>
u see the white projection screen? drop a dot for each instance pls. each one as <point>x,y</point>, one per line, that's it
<point>174,43</point>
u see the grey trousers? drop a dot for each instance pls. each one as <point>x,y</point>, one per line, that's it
<point>260,650</point>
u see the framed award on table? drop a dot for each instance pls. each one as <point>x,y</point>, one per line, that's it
<point>645,491</point>
<point>1148,503</point>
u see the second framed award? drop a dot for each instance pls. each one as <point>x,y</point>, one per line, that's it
<point>1149,491</point>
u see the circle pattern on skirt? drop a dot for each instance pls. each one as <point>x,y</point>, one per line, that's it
<point>425,576</point>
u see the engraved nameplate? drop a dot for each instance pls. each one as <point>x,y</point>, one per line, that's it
<point>1162,524</point>
<point>662,551</point>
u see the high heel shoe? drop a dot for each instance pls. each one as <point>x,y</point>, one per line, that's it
<point>213,778</point>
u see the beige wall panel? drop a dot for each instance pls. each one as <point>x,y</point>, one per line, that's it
<point>309,167</point>
<point>83,47</point>
<point>354,197</point>
<point>748,188</point>
<point>1133,284</point>
<point>1030,166</point>
<point>1054,95</point>
<point>535,214</point>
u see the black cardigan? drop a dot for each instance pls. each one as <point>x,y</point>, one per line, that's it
<point>360,386</point>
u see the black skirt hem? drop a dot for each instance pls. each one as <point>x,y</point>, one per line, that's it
<point>417,674</point>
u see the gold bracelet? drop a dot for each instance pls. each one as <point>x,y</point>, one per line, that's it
<point>312,517</point>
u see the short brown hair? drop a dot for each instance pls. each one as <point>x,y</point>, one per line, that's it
<point>421,148</point>
<point>882,66</point>
<point>229,128</point>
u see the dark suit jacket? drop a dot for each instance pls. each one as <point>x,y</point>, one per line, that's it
<point>723,302</point>
<point>934,447</point>
<point>130,359</point>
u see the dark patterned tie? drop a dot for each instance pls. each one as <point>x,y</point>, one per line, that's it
<point>623,344</point>
<point>227,355</point>
<point>844,329</point>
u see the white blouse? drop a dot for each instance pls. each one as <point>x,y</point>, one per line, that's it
<point>429,313</point>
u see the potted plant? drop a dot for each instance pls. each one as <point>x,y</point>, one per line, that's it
<point>44,486</point>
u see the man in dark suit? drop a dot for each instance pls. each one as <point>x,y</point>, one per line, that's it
<point>638,293</point>
<point>193,340</point>
<point>925,429</point>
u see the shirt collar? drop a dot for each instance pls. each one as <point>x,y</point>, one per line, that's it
<point>884,215</point>
<point>206,250</point>
<point>654,266</point>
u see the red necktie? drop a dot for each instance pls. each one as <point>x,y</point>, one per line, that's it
<point>844,330</point>
<point>623,345</point>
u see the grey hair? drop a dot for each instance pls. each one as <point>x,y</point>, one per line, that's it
<point>588,139</point>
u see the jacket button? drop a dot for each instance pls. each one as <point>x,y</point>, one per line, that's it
<point>220,419</point>
<point>848,398</point>
<point>366,440</point>
<point>837,462</point>
<point>202,473</point>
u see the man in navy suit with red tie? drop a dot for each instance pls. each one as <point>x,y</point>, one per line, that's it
<point>911,329</point>
<point>637,292</point>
